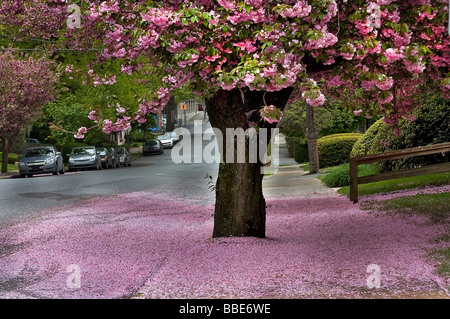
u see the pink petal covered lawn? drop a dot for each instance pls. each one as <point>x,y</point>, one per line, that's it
<point>143,245</point>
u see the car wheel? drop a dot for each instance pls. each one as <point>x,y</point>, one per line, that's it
<point>56,170</point>
<point>30,175</point>
<point>22,175</point>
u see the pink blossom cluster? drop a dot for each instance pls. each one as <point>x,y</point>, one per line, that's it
<point>271,114</point>
<point>414,67</point>
<point>314,97</point>
<point>393,55</point>
<point>260,45</point>
<point>385,83</point>
<point>80,134</point>
<point>300,10</point>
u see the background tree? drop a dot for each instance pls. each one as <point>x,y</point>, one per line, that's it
<point>25,86</point>
<point>330,119</point>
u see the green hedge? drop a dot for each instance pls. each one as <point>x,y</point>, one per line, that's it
<point>297,148</point>
<point>12,158</point>
<point>335,149</point>
<point>340,175</point>
<point>432,126</point>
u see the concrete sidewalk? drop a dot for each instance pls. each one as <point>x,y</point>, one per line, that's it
<point>290,181</point>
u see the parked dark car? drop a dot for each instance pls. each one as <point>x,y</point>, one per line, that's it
<point>31,141</point>
<point>84,157</point>
<point>106,157</point>
<point>153,147</point>
<point>115,157</point>
<point>41,160</point>
<point>124,156</point>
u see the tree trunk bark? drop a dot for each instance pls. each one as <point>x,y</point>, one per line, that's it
<point>311,134</point>
<point>240,208</point>
<point>4,146</point>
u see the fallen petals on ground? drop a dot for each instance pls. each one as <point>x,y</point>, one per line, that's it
<point>144,245</point>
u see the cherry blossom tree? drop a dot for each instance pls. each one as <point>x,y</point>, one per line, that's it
<point>25,86</point>
<point>247,57</point>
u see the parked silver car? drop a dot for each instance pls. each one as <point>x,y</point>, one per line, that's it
<point>124,156</point>
<point>41,160</point>
<point>84,157</point>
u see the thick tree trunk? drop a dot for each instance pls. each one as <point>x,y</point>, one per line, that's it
<point>240,205</point>
<point>311,132</point>
<point>240,208</point>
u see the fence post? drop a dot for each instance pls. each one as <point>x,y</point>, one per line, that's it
<point>353,180</point>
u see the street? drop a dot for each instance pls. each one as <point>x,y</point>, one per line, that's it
<point>21,199</point>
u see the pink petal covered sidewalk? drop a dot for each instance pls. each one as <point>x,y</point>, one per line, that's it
<point>143,245</point>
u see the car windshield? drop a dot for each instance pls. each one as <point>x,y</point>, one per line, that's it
<point>83,151</point>
<point>39,152</point>
<point>151,143</point>
<point>164,137</point>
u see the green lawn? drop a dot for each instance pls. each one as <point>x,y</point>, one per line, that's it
<point>400,184</point>
<point>11,167</point>
<point>435,206</point>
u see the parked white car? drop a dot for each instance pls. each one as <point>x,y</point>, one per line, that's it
<point>175,137</point>
<point>166,140</point>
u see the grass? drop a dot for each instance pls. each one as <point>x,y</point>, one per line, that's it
<point>435,206</point>
<point>405,183</point>
<point>11,167</point>
<point>305,167</point>
<point>339,176</point>
<point>443,257</point>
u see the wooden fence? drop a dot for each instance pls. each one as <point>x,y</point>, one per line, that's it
<point>409,152</point>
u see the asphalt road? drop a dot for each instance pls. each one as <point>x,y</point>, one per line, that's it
<point>22,198</point>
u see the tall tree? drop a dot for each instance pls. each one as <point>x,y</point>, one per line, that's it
<point>245,56</point>
<point>25,86</point>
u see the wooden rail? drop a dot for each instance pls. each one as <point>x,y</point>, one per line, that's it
<point>406,153</point>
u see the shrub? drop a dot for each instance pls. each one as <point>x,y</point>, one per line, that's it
<point>340,175</point>
<point>297,148</point>
<point>12,158</point>
<point>432,126</point>
<point>301,153</point>
<point>373,141</point>
<point>335,149</point>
